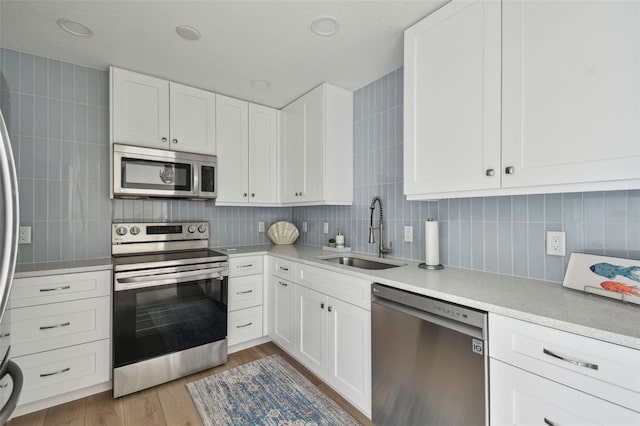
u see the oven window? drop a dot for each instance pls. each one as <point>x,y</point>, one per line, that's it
<point>155,321</point>
<point>146,174</point>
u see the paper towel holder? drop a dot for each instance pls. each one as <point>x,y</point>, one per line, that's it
<point>424,264</point>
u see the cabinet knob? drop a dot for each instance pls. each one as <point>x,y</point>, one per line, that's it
<point>330,309</point>
<point>489,172</point>
<point>510,170</point>
<point>322,306</point>
<point>253,194</point>
<point>244,194</point>
<point>164,139</point>
<point>175,141</point>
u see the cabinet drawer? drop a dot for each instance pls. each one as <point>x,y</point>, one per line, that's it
<point>611,373</point>
<point>522,398</point>
<point>36,329</point>
<point>59,288</point>
<point>241,266</point>
<point>344,287</point>
<point>283,268</point>
<point>245,292</point>
<point>64,370</point>
<point>244,325</point>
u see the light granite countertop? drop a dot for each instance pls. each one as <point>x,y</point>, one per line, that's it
<point>541,302</point>
<point>27,270</point>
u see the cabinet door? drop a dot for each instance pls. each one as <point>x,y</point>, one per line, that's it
<point>313,175</point>
<point>522,398</point>
<point>293,134</point>
<point>140,109</point>
<point>350,352</point>
<point>571,72</point>
<point>452,99</point>
<point>282,313</point>
<point>263,154</point>
<point>232,135</point>
<point>311,317</point>
<point>193,115</point>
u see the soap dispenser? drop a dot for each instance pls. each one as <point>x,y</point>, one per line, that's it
<point>339,239</point>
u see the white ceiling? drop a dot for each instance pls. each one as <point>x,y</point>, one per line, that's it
<point>241,40</point>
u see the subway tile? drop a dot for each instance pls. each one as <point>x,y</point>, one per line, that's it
<point>54,238</point>
<point>39,236</point>
<point>54,122</point>
<point>55,79</point>
<point>27,120</point>
<point>12,70</point>
<point>615,207</point>
<point>13,120</point>
<point>80,162</point>
<point>25,165</point>
<point>66,200</point>
<point>55,199</point>
<point>553,207</point>
<point>67,121</point>
<point>26,189</point>
<point>615,240</point>
<point>477,209</point>
<point>80,235</point>
<point>41,77</point>
<point>79,201</point>
<point>454,209</point>
<point>535,208</point>
<point>519,208</point>
<point>67,158</point>
<point>67,246</point>
<point>103,77</point>
<point>25,253</point>
<point>477,245</point>
<point>633,207</point>
<point>574,237</point>
<point>80,84</point>
<point>572,208</point>
<point>80,123</point>
<point>67,82</point>
<point>465,208</point>
<point>504,209</point>
<point>443,233</point>
<point>554,269</point>
<point>593,234</point>
<point>520,250</point>
<point>40,159</point>
<point>41,118</point>
<point>399,86</point>
<point>536,241</point>
<point>27,74</point>
<point>593,204</point>
<point>505,252</point>
<point>465,245</point>
<point>491,209</point>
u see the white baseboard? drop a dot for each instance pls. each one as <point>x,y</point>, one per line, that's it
<point>248,344</point>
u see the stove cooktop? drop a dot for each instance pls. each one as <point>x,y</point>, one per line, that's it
<point>169,258</point>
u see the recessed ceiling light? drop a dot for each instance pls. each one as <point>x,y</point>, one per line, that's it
<point>260,84</point>
<point>188,33</point>
<point>325,26</point>
<point>75,28</point>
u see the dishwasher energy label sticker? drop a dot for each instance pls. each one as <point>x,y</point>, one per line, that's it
<point>477,346</point>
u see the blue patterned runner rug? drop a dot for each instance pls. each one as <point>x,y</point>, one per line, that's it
<point>264,392</point>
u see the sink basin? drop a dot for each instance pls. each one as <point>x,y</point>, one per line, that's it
<point>357,262</point>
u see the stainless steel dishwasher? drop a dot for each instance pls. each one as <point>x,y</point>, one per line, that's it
<point>429,361</point>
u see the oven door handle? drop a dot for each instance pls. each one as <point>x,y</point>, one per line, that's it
<point>131,283</point>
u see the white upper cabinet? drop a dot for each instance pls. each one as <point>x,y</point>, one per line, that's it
<point>151,112</point>
<point>571,92</point>
<point>317,148</point>
<point>522,97</point>
<point>247,141</point>
<point>452,99</point>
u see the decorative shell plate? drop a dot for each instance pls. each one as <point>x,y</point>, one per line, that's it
<point>283,233</point>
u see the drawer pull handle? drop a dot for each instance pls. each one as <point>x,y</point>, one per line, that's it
<point>5,335</point>
<point>244,325</point>
<point>283,268</point>
<point>572,361</point>
<point>549,422</point>
<point>281,283</point>
<point>48,327</point>
<point>248,265</point>
<point>64,370</point>
<point>66,287</point>
<point>245,292</point>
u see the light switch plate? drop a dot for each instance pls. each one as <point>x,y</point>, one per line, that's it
<point>408,234</point>
<point>325,228</point>
<point>260,226</point>
<point>25,235</point>
<point>305,227</point>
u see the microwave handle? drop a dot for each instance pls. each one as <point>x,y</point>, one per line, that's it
<point>132,283</point>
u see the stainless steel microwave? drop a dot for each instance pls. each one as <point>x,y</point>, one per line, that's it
<point>145,172</point>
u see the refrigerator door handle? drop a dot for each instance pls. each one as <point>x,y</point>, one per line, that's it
<point>14,371</point>
<point>11,223</point>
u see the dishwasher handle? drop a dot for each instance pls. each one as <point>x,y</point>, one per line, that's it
<point>458,326</point>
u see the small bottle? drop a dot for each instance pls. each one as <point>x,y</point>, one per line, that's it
<point>339,240</point>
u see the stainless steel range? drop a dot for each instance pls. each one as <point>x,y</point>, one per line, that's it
<point>170,303</point>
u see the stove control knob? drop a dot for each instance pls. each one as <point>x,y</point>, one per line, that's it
<point>202,229</point>
<point>135,230</point>
<point>192,229</point>
<point>121,230</point>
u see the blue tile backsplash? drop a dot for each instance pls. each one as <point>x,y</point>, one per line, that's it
<point>57,114</point>
<point>495,234</point>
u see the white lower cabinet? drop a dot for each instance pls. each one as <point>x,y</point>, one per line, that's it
<point>244,325</point>
<point>540,375</point>
<point>328,335</point>
<point>245,319</point>
<point>522,398</point>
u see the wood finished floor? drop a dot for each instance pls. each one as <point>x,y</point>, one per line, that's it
<point>167,404</point>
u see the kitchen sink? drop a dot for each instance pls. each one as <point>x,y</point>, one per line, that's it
<point>358,262</point>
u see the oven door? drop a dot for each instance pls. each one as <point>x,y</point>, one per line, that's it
<point>161,311</point>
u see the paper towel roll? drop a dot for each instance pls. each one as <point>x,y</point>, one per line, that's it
<point>432,244</point>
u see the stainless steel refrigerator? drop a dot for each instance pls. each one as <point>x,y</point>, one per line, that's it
<point>9,246</point>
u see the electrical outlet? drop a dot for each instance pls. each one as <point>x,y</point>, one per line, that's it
<point>260,226</point>
<point>408,234</point>
<point>25,235</point>
<point>325,228</point>
<point>305,227</point>
<point>555,243</point>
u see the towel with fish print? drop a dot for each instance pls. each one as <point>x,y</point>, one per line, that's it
<point>612,277</point>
